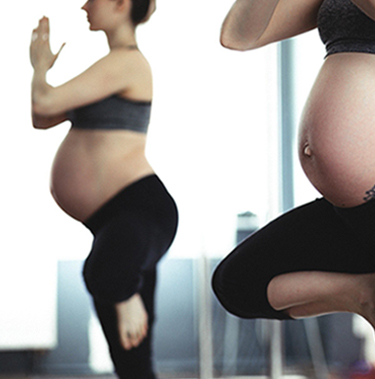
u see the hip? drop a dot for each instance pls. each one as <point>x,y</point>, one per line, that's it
<point>146,202</point>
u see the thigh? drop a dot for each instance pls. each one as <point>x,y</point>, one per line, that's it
<point>131,233</point>
<point>310,237</point>
<point>121,251</point>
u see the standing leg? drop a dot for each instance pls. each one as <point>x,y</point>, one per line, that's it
<point>137,362</point>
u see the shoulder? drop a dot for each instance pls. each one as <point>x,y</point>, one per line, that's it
<point>132,60</point>
<point>133,68</point>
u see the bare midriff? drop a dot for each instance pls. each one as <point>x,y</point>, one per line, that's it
<point>91,166</point>
<point>337,130</point>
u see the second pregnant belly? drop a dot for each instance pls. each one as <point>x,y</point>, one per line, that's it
<point>338,126</point>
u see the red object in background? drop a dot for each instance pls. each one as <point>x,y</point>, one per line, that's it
<point>362,370</point>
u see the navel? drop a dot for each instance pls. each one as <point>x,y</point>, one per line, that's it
<point>307,150</point>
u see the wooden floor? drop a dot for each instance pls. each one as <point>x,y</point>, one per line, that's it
<point>169,376</point>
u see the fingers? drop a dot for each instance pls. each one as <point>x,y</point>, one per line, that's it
<point>40,42</point>
<point>62,46</point>
<point>45,21</point>
<point>42,30</point>
<point>34,35</point>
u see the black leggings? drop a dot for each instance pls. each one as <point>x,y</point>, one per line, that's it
<point>132,231</point>
<point>314,237</point>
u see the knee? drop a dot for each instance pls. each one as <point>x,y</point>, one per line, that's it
<point>216,283</point>
<point>223,289</point>
<point>244,294</point>
<point>239,295</point>
<point>110,284</point>
<point>93,277</point>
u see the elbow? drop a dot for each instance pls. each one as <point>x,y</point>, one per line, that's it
<point>39,121</point>
<point>231,42</point>
<point>40,106</point>
<point>36,121</point>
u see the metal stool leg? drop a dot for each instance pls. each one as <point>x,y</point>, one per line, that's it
<point>314,341</point>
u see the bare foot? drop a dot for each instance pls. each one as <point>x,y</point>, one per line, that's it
<point>313,293</point>
<point>132,322</point>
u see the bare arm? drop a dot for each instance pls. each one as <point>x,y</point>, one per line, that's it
<point>246,22</point>
<point>45,122</point>
<point>254,23</point>
<point>40,88</point>
<point>112,74</point>
<point>102,79</point>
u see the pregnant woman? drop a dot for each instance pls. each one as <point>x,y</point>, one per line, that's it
<point>102,178</point>
<point>318,258</point>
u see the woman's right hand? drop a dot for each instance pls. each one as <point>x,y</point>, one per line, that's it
<point>41,55</point>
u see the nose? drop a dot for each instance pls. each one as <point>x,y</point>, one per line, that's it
<point>84,6</point>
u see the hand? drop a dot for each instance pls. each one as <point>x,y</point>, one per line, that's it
<point>41,55</point>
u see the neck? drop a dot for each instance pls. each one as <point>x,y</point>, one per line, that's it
<point>121,37</point>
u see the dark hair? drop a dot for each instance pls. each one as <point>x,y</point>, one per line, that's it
<point>139,10</point>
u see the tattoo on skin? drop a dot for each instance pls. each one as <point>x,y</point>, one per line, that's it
<point>370,194</point>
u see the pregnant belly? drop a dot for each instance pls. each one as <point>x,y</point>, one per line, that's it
<point>75,184</point>
<point>86,174</point>
<point>337,132</point>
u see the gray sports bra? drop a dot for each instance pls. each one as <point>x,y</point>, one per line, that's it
<point>113,112</point>
<point>343,27</point>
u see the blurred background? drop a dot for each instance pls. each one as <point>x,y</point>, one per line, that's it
<point>222,138</point>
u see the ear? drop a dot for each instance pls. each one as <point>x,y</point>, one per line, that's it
<point>124,5</point>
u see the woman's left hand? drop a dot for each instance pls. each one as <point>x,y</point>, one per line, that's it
<point>41,55</point>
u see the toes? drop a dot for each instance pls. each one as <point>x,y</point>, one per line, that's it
<point>132,322</point>
<point>133,338</point>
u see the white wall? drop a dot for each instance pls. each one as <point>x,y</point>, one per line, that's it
<point>214,111</point>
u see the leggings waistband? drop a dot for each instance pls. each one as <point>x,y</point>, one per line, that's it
<point>141,196</point>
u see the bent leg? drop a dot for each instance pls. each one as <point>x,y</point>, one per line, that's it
<point>131,233</point>
<point>312,237</point>
<point>312,293</point>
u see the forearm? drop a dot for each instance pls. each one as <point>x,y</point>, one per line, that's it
<point>366,6</point>
<point>41,107</point>
<point>40,90</point>
<point>246,22</point>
